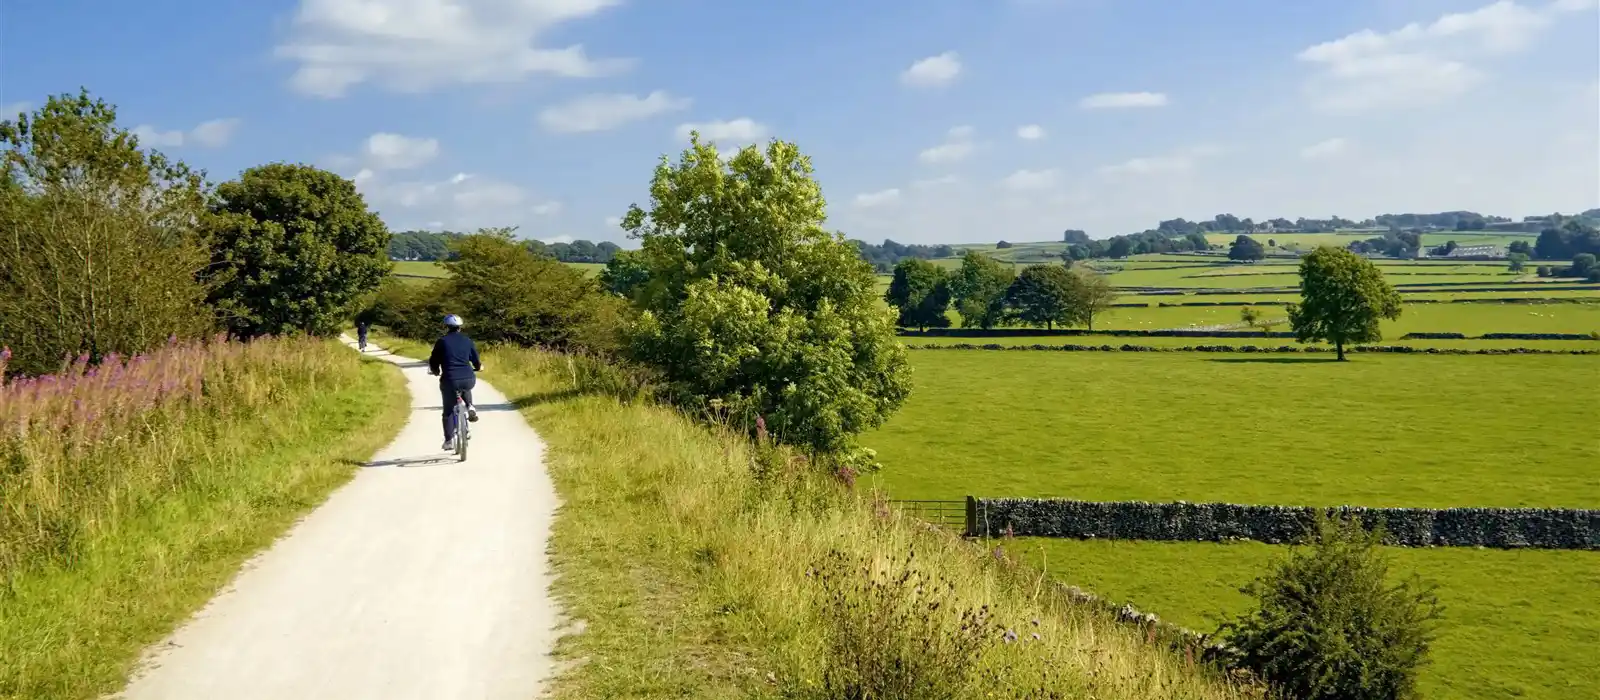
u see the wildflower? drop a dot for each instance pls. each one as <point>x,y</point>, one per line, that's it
<point>1010,636</point>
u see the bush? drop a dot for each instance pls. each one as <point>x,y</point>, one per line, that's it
<point>99,249</point>
<point>1328,624</point>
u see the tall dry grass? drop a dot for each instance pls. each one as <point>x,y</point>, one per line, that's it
<point>705,565</point>
<point>82,450</point>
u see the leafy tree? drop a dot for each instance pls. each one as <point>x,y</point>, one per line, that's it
<point>883,257</point>
<point>1343,298</point>
<point>1197,241</point>
<point>1552,245</point>
<point>920,291</point>
<point>753,310</point>
<point>1249,316</point>
<point>628,271</point>
<point>1246,249</point>
<point>1120,248</point>
<point>979,290</point>
<point>1002,245</point>
<point>1516,261</point>
<point>1043,294</point>
<point>293,247</point>
<point>1582,264</point>
<point>1073,235</point>
<point>98,244</point>
<point>1328,624</point>
<point>1520,248</point>
<point>1272,242</point>
<point>1092,295</point>
<point>510,295</point>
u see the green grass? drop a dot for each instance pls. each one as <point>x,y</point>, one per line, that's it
<point>419,268</point>
<point>1516,623</point>
<point>75,632</point>
<point>691,576</point>
<point>1382,430</point>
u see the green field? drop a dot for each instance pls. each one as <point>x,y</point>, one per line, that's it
<point>418,268</point>
<point>1382,430</point>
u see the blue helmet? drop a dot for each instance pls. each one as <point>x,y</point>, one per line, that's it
<point>452,321</point>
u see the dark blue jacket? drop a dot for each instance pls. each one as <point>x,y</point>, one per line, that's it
<point>454,357</point>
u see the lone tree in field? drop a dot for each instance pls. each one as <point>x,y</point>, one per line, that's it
<point>1043,295</point>
<point>1330,625</point>
<point>979,290</point>
<point>98,243</point>
<point>920,291</point>
<point>1246,249</point>
<point>1092,295</point>
<point>1343,297</point>
<point>293,247</point>
<point>753,310</point>
<point>1249,316</point>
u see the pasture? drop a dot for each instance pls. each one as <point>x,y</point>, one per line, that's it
<point>1382,430</point>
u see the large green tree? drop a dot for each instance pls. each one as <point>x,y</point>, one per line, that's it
<point>1246,249</point>
<point>979,290</point>
<point>920,292</point>
<point>293,247</point>
<point>626,273</point>
<point>507,293</point>
<point>98,244</point>
<point>1043,295</point>
<point>753,309</point>
<point>1344,296</point>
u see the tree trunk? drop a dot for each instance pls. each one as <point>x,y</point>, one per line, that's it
<point>1339,346</point>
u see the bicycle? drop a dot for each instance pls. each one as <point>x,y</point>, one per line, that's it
<point>463,433</point>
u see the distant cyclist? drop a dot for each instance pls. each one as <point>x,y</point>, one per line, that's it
<point>453,361</point>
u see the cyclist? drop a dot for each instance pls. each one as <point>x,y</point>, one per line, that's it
<point>453,361</point>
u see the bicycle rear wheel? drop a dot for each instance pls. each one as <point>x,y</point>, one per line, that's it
<point>463,433</point>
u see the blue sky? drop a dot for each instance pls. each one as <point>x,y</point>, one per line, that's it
<point>927,120</point>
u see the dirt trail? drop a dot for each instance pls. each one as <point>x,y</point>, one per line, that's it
<point>421,578</point>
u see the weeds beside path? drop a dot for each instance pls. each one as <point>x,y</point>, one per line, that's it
<point>73,628</point>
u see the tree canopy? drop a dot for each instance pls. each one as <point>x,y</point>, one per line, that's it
<point>293,248</point>
<point>100,248</point>
<point>1043,295</point>
<point>979,288</point>
<point>753,309</point>
<point>1344,296</point>
<point>920,292</point>
<point>1246,249</point>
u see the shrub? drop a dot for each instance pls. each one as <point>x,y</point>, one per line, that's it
<point>1329,625</point>
<point>509,294</point>
<point>100,251</point>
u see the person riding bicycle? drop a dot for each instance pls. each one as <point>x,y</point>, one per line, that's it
<point>453,361</point>
<point>363,324</point>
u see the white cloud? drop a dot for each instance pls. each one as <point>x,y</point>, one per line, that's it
<point>1325,149</point>
<point>933,71</point>
<point>936,182</point>
<point>546,208</point>
<point>385,151</point>
<point>1421,64</point>
<point>151,137</point>
<point>1180,161</point>
<point>604,112</point>
<point>957,146</point>
<point>1031,180</point>
<point>211,134</point>
<point>460,202</point>
<point>735,132</point>
<point>417,45</point>
<point>215,133</point>
<point>1123,100</point>
<point>1031,132</point>
<point>867,200</point>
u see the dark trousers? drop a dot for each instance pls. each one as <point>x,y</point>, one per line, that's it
<point>448,388</point>
<point>361,336</point>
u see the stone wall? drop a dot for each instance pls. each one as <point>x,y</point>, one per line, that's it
<point>1539,528</point>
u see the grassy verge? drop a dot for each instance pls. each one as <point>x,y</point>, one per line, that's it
<point>231,480</point>
<point>704,566</point>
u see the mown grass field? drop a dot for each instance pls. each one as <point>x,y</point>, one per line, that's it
<point>1381,430</point>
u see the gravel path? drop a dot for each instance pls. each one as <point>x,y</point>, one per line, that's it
<point>421,578</point>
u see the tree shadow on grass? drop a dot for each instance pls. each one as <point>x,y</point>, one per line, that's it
<point>1273,360</point>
